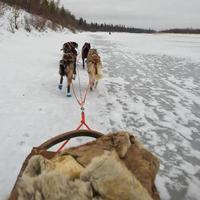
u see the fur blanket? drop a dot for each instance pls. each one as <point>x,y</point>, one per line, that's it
<point>113,167</point>
<point>65,165</point>
<point>52,186</point>
<point>55,179</point>
<point>111,180</point>
<point>143,164</point>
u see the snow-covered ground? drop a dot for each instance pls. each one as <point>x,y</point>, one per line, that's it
<point>151,87</point>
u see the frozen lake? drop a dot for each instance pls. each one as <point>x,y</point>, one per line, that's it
<point>151,87</point>
<point>158,97</point>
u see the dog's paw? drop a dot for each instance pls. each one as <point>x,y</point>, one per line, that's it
<point>68,94</point>
<point>60,86</point>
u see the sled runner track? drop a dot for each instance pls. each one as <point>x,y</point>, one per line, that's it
<point>43,150</point>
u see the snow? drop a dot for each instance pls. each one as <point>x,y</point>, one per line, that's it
<point>151,87</point>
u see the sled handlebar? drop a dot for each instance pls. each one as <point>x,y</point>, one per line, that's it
<point>67,136</point>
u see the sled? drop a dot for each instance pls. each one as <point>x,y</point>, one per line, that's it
<point>43,150</point>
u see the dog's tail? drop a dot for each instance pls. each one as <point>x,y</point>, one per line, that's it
<point>99,72</point>
<point>99,76</point>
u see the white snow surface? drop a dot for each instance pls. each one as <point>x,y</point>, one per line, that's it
<point>151,87</point>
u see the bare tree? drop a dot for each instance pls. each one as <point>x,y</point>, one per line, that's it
<point>14,20</point>
<point>2,8</point>
<point>39,23</point>
<point>11,27</point>
<point>27,23</point>
<point>16,17</point>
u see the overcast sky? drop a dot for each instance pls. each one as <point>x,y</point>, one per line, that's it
<point>156,14</point>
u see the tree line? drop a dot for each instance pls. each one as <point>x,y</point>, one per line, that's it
<point>110,27</point>
<point>51,10</point>
<point>183,30</point>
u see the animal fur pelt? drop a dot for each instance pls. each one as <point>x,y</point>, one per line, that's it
<point>111,179</point>
<point>126,161</point>
<point>143,164</point>
<point>37,165</point>
<point>65,165</point>
<point>119,142</point>
<point>52,186</point>
<point>45,179</point>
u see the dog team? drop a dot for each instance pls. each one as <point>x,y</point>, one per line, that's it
<point>68,65</point>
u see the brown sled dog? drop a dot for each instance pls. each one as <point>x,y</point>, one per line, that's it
<point>68,64</point>
<point>67,69</point>
<point>94,66</point>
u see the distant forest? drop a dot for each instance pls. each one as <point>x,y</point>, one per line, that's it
<point>184,30</point>
<point>51,10</point>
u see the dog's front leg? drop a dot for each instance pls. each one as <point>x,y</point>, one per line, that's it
<point>61,81</point>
